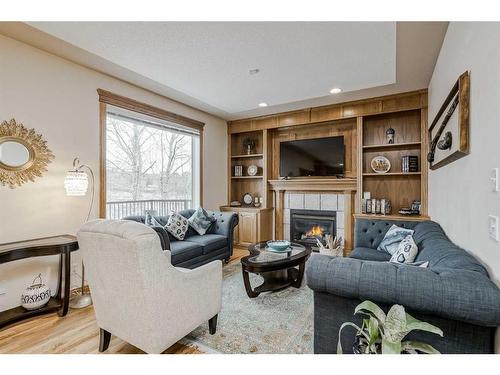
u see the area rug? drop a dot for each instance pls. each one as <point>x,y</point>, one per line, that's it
<point>274,322</point>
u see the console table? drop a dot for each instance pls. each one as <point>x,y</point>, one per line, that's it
<point>58,245</point>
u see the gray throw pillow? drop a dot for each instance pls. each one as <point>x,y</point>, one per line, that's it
<point>392,238</point>
<point>201,221</point>
<point>177,225</point>
<point>150,220</point>
<point>407,251</point>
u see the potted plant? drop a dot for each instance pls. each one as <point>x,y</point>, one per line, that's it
<point>381,333</point>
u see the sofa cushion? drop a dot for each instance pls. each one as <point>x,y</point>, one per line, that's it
<point>407,251</point>
<point>177,225</point>
<point>183,250</point>
<point>393,238</point>
<point>442,254</point>
<point>209,242</point>
<point>200,221</point>
<point>370,232</point>
<point>366,253</point>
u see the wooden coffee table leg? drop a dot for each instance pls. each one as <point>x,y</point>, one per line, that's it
<point>246,280</point>
<point>298,281</point>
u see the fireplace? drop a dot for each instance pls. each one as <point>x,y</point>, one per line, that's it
<point>308,225</point>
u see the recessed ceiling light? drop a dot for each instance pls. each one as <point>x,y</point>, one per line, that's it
<point>262,104</point>
<point>335,90</point>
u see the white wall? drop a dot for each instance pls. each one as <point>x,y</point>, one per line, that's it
<point>460,194</point>
<point>58,98</point>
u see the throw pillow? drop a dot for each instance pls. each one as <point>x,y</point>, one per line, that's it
<point>200,221</point>
<point>150,220</point>
<point>177,225</point>
<point>407,251</point>
<point>392,239</point>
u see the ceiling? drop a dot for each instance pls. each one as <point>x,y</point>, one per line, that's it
<point>206,64</point>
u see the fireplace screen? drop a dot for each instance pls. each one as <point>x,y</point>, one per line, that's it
<point>306,226</point>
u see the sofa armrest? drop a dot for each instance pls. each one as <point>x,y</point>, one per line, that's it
<point>455,294</point>
<point>226,221</point>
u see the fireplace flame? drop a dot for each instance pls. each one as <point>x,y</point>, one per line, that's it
<point>315,231</point>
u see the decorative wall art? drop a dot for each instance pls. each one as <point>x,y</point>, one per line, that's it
<point>24,154</point>
<point>449,131</point>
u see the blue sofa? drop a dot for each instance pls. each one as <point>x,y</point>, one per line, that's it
<point>196,250</point>
<point>454,293</point>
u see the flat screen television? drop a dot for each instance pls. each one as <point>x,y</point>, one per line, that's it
<point>312,157</point>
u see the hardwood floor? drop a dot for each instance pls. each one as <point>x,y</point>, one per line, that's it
<point>76,333</point>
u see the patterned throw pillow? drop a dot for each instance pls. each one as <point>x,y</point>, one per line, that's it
<point>200,221</point>
<point>177,225</point>
<point>407,251</point>
<point>392,239</point>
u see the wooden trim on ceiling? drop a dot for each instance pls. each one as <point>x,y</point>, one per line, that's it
<point>146,109</point>
<point>346,110</point>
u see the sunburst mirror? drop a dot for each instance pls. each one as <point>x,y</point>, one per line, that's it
<point>24,154</point>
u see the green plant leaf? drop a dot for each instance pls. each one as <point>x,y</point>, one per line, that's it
<point>391,347</point>
<point>420,346</point>
<point>395,324</point>
<point>372,328</point>
<point>371,309</point>
<point>415,324</point>
<point>359,331</point>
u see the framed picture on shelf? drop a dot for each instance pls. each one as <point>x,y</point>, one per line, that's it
<point>449,131</point>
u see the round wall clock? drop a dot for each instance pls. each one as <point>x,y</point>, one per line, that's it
<point>252,170</point>
<point>247,198</point>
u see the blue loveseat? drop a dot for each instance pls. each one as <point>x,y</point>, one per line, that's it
<point>454,293</point>
<point>196,250</point>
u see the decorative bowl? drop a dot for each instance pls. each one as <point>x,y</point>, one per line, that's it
<point>280,245</point>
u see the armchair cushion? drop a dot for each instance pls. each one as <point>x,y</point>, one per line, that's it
<point>209,242</point>
<point>182,251</point>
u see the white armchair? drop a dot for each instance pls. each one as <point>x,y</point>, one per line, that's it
<point>138,295</point>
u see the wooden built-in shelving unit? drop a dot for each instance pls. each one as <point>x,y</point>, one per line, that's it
<point>363,124</point>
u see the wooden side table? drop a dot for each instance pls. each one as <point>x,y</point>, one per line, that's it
<point>58,245</point>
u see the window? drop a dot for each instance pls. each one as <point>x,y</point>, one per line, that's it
<point>150,164</point>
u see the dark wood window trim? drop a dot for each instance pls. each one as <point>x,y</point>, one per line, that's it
<point>107,97</point>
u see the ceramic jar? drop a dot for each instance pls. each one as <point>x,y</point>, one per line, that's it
<point>36,295</point>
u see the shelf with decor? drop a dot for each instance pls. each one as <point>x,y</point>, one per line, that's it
<point>247,156</point>
<point>374,174</point>
<point>246,177</point>
<point>385,140</point>
<point>392,217</point>
<point>248,168</point>
<point>393,146</point>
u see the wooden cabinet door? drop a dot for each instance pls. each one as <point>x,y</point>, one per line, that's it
<point>247,228</point>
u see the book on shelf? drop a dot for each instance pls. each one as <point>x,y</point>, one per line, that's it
<point>409,163</point>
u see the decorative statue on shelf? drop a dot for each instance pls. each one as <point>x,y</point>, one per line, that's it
<point>248,144</point>
<point>389,133</point>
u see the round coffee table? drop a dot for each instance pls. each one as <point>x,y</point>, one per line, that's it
<point>277,268</point>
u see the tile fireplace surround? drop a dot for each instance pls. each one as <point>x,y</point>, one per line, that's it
<point>313,201</point>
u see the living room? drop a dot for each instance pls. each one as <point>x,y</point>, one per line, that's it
<point>324,188</point>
